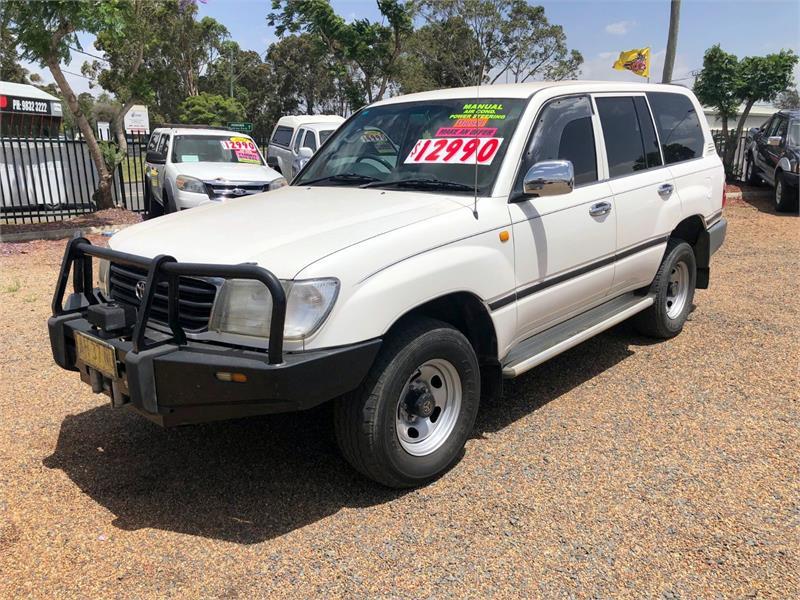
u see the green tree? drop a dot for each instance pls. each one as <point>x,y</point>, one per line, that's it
<point>788,99</point>
<point>441,54</point>
<point>210,109</point>
<point>725,83</point>
<point>370,51</point>
<point>45,31</point>
<point>513,38</point>
<point>125,47</point>
<point>10,69</point>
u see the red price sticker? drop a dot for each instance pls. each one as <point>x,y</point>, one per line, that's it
<point>455,150</point>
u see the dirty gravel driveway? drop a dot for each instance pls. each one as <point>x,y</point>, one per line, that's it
<point>622,468</point>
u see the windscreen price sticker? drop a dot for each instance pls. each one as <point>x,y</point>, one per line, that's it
<point>455,150</point>
<point>238,144</point>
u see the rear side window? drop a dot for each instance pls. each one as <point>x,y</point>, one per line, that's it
<point>310,141</point>
<point>622,135</point>
<point>564,132</point>
<point>652,153</point>
<point>678,126</point>
<point>282,136</point>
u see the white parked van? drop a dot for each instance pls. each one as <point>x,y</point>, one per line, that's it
<point>437,244</point>
<point>292,134</point>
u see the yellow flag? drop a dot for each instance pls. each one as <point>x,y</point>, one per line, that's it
<point>636,61</point>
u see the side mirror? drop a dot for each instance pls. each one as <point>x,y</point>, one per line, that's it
<point>155,158</point>
<point>549,178</point>
<point>774,140</point>
<point>305,152</point>
<point>754,131</point>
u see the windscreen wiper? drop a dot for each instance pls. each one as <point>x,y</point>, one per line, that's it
<point>422,183</point>
<point>342,178</point>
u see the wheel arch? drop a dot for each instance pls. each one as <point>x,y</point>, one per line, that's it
<point>468,314</point>
<point>693,230</point>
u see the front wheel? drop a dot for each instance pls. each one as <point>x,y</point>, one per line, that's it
<point>410,419</point>
<point>785,196</point>
<point>751,176</point>
<point>673,289</point>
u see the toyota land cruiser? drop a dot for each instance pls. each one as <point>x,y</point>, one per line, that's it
<point>436,244</point>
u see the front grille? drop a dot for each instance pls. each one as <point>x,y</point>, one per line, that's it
<point>219,189</point>
<point>195,296</point>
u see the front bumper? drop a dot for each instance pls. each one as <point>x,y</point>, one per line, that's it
<point>178,384</point>
<point>173,380</point>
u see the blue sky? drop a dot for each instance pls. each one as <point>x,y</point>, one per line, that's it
<point>597,28</point>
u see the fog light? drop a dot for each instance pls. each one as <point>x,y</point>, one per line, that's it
<point>235,377</point>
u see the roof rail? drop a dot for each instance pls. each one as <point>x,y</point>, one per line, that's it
<point>190,126</point>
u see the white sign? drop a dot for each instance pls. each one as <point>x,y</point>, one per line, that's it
<point>104,130</point>
<point>137,120</point>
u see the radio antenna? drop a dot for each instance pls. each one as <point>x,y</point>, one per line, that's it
<point>475,186</point>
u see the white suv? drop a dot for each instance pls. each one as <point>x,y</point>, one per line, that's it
<point>291,137</point>
<point>186,166</point>
<point>436,244</point>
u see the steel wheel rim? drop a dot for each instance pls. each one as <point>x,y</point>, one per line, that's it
<point>677,289</point>
<point>420,435</point>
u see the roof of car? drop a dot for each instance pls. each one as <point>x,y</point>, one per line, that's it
<point>323,126</point>
<point>526,90</point>
<point>793,113</point>
<point>197,130</point>
<point>296,120</point>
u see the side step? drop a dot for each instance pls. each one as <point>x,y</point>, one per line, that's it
<point>551,342</point>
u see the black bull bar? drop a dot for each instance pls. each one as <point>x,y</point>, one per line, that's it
<point>162,268</point>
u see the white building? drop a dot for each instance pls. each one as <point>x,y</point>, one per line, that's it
<point>757,117</point>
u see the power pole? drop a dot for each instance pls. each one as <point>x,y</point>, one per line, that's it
<point>672,40</point>
<point>231,71</point>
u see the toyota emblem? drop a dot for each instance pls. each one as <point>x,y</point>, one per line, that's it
<point>139,289</point>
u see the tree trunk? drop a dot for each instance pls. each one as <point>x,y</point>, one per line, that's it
<point>119,126</point>
<point>733,142</point>
<point>102,196</point>
<point>672,40</point>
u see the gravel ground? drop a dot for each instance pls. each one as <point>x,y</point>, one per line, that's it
<point>109,216</point>
<point>623,468</point>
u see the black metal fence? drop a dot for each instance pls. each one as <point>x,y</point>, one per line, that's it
<point>53,178</point>
<point>737,167</point>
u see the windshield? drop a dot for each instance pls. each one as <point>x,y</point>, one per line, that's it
<point>324,135</point>
<point>431,144</point>
<point>793,136</point>
<point>214,148</point>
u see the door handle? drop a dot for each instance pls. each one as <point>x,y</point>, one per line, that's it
<point>600,209</point>
<point>665,189</point>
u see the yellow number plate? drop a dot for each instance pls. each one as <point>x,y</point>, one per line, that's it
<point>97,354</point>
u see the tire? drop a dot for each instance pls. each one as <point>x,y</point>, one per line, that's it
<point>673,288</point>
<point>152,209</point>
<point>785,196</point>
<point>422,361</point>
<point>169,203</point>
<point>751,175</point>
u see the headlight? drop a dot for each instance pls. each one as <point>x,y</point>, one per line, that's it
<point>190,184</point>
<point>244,307</point>
<point>102,274</point>
<point>277,183</point>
